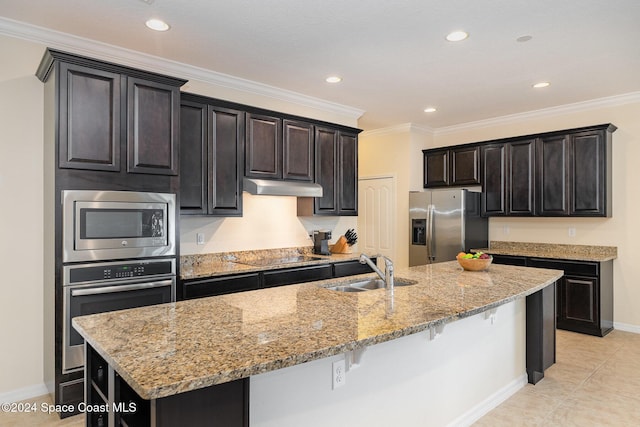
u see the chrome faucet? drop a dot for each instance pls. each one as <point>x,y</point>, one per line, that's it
<point>387,277</point>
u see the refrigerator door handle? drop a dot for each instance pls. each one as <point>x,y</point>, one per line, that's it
<point>430,240</point>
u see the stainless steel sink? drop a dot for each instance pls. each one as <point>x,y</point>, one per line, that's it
<point>370,284</point>
<point>346,289</point>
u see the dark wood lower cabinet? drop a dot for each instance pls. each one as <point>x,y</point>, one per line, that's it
<point>220,285</point>
<point>112,402</point>
<point>584,294</point>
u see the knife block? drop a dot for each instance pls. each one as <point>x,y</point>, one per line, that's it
<point>341,246</point>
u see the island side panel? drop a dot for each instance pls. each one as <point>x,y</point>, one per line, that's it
<point>541,332</point>
<point>113,402</point>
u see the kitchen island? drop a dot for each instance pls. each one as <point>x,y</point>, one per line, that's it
<point>175,361</point>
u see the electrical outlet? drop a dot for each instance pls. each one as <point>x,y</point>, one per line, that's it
<point>572,232</point>
<point>200,238</point>
<point>505,229</point>
<point>338,374</point>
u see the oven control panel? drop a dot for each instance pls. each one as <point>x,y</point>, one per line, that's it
<point>103,271</point>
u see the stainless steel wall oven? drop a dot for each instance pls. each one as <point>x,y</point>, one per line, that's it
<point>108,286</point>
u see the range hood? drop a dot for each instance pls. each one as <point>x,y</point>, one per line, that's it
<point>270,187</point>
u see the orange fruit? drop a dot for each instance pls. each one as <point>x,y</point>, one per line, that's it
<point>460,255</point>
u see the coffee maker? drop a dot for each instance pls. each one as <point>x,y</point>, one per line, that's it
<point>321,242</point>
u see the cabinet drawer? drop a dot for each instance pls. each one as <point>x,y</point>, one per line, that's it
<point>510,260</point>
<point>297,275</point>
<point>580,268</point>
<point>350,268</point>
<point>221,285</point>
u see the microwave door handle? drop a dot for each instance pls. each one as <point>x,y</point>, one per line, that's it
<point>120,288</point>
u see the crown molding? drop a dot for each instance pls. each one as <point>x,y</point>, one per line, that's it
<point>134,59</point>
<point>609,101</point>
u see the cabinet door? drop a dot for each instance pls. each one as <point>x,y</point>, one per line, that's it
<point>587,174</point>
<point>551,171</point>
<point>494,180</point>
<point>89,109</point>
<point>465,166</point>
<point>347,174</point>
<point>152,127</point>
<point>325,167</point>
<point>520,183</point>
<point>289,276</point>
<point>297,151</point>
<point>225,161</point>
<point>436,168</point>
<point>263,147</point>
<point>578,305</point>
<point>193,158</point>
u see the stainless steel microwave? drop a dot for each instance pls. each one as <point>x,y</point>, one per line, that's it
<point>105,225</point>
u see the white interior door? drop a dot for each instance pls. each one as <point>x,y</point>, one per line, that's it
<point>376,215</point>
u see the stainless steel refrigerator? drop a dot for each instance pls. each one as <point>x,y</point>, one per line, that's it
<point>443,223</point>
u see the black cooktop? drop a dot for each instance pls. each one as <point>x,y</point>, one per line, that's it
<point>268,262</point>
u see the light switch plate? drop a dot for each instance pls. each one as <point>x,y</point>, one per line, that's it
<point>200,238</point>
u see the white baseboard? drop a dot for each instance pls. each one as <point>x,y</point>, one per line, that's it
<point>626,327</point>
<point>24,393</point>
<point>491,402</point>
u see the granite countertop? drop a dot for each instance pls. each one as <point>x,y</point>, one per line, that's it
<point>172,348</point>
<point>552,250</point>
<point>220,264</point>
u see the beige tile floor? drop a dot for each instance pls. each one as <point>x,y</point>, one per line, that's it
<point>595,382</point>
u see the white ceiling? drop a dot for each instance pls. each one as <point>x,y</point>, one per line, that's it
<point>392,55</point>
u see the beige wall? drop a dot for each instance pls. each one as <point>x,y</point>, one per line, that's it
<point>395,152</point>
<point>21,216</point>
<point>622,230</point>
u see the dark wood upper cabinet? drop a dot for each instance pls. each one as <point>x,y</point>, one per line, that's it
<point>193,158</point>
<point>561,173</point>
<point>225,160</point>
<point>521,158</point>
<point>263,157</point>
<point>297,150</point>
<point>347,174</point>
<point>89,109</point>
<point>152,127</point>
<point>452,166</point>
<point>336,170</point>
<point>494,178</point>
<point>590,173</point>
<point>326,143</point>
<point>507,176</point>
<point>211,158</point>
<point>436,168</point>
<point>107,111</point>
<point>552,173</point>
<point>465,166</point>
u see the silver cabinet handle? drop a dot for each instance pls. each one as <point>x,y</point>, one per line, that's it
<point>120,288</point>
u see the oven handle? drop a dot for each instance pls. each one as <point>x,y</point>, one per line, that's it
<point>120,288</point>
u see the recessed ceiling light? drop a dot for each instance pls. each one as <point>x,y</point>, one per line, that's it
<point>430,110</point>
<point>523,39</point>
<point>457,36</point>
<point>157,25</point>
<point>541,85</point>
<point>333,79</point>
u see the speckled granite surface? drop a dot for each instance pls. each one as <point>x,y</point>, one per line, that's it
<point>552,250</point>
<point>218,264</point>
<point>172,348</point>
